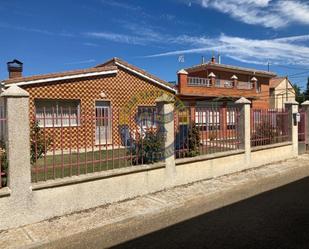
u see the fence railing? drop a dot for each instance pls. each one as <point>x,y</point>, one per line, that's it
<point>196,81</point>
<point>224,83</point>
<point>3,152</point>
<point>66,142</point>
<point>206,130</point>
<point>269,126</point>
<point>75,144</point>
<point>244,85</point>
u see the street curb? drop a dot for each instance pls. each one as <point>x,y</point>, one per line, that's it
<point>133,227</point>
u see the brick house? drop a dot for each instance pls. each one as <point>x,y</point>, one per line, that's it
<point>77,103</point>
<point>222,84</point>
<point>209,89</point>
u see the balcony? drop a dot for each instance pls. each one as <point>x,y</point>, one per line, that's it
<point>224,83</point>
<point>196,81</point>
<point>219,83</point>
<point>244,85</point>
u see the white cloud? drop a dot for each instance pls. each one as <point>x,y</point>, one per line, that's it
<point>36,30</point>
<point>136,35</point>
<point>80,62</point>
<point>284,50</point>
<point>267,13</point>
<point>121,38</point>
<point>121,5</point>
<point>90,44</point>
<point>278,51</point>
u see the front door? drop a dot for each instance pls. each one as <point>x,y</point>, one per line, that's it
<point>103,122</point>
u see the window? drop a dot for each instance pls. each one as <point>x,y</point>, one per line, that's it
<point>231,119</point>
<point>57,113</point>
<point>147,116</point>
<point>207,119</point>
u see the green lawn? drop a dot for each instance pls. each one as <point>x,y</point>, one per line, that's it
<point>66,164</point>
<point>59,166</point>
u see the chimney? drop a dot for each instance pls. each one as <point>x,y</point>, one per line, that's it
<point>15,69</point>
<point>203,60</point>
<point>219,58</point>
<point>213,60</point>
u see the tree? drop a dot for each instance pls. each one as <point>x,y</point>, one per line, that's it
<point>300,96</point>
<point>306,92</point>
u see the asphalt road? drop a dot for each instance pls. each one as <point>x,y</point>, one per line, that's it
<point>275,219</point>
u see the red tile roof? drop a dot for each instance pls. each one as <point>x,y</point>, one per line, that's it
<point>117,61</point>
<point>111,64</point>
<point>230,68</point>
<point>60,74</point>
<point>274,82</point>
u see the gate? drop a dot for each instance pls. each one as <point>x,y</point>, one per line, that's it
<point>302,132</point>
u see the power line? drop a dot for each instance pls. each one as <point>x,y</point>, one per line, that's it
<point>294,68</point>
<point>299,73</point>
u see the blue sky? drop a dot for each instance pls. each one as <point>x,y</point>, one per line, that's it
<point>52,36</point>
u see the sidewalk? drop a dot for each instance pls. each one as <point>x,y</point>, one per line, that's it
<point>109,225</point>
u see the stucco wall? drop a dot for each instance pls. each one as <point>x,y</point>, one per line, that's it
<point>283,93</point>
<point>50,201</point>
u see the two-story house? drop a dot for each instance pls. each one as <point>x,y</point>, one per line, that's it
<point>217,84</point>
<point>209,90</point>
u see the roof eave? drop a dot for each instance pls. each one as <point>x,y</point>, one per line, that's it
<point>145,76</point>
<point>60,78</point>
<point>232,69</point>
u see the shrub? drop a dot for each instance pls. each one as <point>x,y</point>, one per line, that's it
<point>147,148</point>
<point>264,134</point>
<point>188,139</point>
<point>4,163</point>
<point>39,144</point>
<point>193,141</point>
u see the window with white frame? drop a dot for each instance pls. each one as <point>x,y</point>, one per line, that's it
<point>207,119</point>
<point>57,113</point>
<point>230,119</point>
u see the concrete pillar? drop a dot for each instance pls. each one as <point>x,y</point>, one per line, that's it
<point>245,125</point>
<point>18,140</point>
<point>292,107</point>
<point>165,107</point>
<point>305,106</point>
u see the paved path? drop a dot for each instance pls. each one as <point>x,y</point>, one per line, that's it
<point>276,219</point>
<point>120,222</point>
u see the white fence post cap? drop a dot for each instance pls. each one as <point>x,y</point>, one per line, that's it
<point>305,103</point>
<point>165,98</point>
<point>291,102</point>
<point>15,91</point>
<point>243,100</point>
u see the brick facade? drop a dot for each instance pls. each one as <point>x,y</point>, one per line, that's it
<point>194,93</point>
<point>119,89</point>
